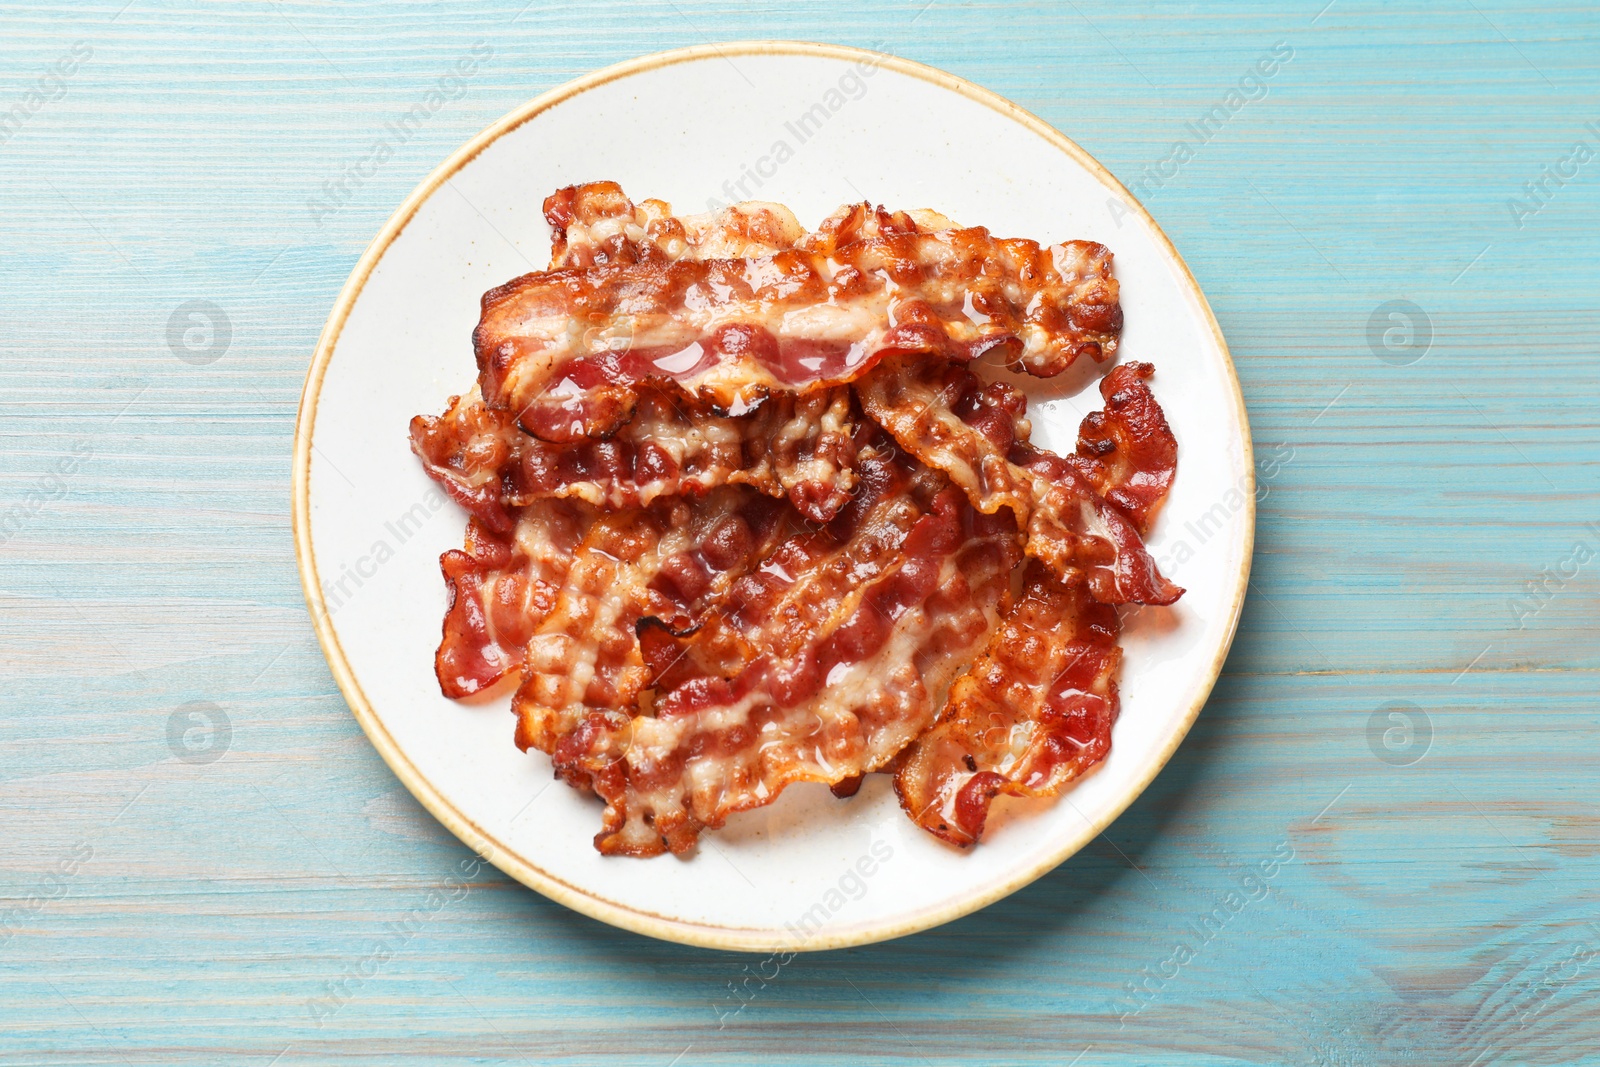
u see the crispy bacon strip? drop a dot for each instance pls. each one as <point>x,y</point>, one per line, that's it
<point>566,349</point>
<point>799,446</point>
<point>1127,451</point>
<point>595,224</point>
<point>471,451</point>
<point>500,587</point>
<point>673,561</point>
<point>978,435</point>
<point>858,629</point>
<point>1072,526</point>
<point>895,492</point>
<point>1034,713</point>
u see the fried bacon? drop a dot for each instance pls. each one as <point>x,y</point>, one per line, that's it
<point>742,513</point>
<point>500,587</point>
<point>471,451</point>
<point>978,435</point>
<point>1127,451</point>
<point>673,561</point>
<point>1034,713</point>
<point>596,224</point>
<point>857,631</point>
<point>801,447</point>
<point>863,222</point>
<point>567,349</point>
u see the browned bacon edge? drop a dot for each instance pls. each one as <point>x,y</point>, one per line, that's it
<point>799,446</point>
<point>835,651</point>
<point>1033,713</point>
<point>1127,451</point>
<point>566,349</point>
<point>595,224</point>
<point>500,585</point>
<point>977,434</point>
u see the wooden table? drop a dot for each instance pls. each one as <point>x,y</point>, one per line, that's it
<point>200,845</point>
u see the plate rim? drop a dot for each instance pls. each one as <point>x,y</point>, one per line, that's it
<point>636,920</point>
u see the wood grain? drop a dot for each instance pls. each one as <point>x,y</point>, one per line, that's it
<point>1442,912</point>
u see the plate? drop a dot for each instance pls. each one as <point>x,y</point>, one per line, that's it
<point>810,126</point>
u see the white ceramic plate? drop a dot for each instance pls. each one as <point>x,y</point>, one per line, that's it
<point>689,127</point>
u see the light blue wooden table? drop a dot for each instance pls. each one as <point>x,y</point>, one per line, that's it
<point>197,844</point>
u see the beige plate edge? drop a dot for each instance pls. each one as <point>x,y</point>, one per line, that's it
<point>628,918</point>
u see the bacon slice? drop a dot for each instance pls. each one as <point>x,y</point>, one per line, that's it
<point>566,349</point>
<point>1127,451</point>
<point>500,587</point>
<point>595,224</point>
<point>673,561</point>
<point>1034,713</point>
<point>470,450</point>
<point>895,493</point>
<point>836,652</point>
<point>801,447</point>
<point>1072,526</point>
<point>977,434</point>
